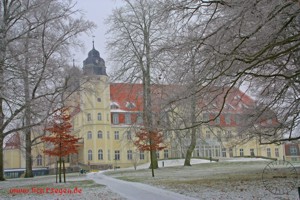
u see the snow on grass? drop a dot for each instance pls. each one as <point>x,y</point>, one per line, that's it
<point>180,162</point>
<point>234,178</point>
<point>88,189</point>
<point>241,159</point>
<point>173,163</point>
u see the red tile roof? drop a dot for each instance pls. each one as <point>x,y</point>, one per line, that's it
<point>13,142</point>
<point>122,94</point>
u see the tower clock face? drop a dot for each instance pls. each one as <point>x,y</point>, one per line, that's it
<point>280,177</point>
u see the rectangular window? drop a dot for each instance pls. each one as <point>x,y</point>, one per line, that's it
<point>129,155</point>
<point>241,152</point>
<point>227,119</point>
<point>217,120</point>
<point>240,135</point>
<point>219,134</point>
<point>293,150</point>
<point>166,153</point>
<point>89,117</point>
<point>117,155</point>
<point>142,155</point>
<point>115,118</point>
<point>207,134</point>
<point>39,160</point>
<point>139,119</point>
<point>217,152</point>
<point>90,155</point>
<point>108,135</point>
<point>228,135</point>
<point>252,152</point>
<point>99,116</point>
<point>116,135</point>
<point>108,154</point>
<point>129,137</point>
<point>268,152</point>
<point>230,152</point>
<point>224,152</point>
<point>237,119</point>
<point>157,155</point>
<point>276,152</point>
<point>127,118</point>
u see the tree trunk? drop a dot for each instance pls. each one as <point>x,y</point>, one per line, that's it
<point>189,152</point>
<point>28,172</point>
<point>64,171</point>
<point>1,159</point>
<point>59,170</point>
<point>3,45</point>
<point>148,121</point>
<point>193,116</point>
<point>27,123</point>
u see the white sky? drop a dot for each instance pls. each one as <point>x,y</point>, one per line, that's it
<point>96,11</point>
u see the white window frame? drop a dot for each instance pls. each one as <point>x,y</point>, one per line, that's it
<point>100,154</point>
<point>90,155</point>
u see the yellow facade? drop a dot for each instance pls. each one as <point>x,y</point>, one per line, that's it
<point>12,158</point>
<point>104,145</point>
<point>218,144</point>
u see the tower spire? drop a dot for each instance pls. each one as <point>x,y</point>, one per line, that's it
<point>93,42</point>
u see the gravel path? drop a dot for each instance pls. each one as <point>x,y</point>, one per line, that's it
<point>136,191</point>
<point>80,186</point>
<point>212,181</point>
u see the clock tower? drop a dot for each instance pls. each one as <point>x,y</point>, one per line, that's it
<point>94,64</point>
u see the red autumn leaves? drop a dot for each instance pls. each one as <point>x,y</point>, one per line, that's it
<point>61,142</point>
<point>149,140</point>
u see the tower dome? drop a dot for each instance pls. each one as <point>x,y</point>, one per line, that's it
<point>94,64</point>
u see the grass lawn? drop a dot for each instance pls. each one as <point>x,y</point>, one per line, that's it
<point>224,180</point>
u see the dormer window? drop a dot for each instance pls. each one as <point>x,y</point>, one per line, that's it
<point>130,105</point>
<point>114,105</point>
<point>238,97</point>
<point>228,106</point>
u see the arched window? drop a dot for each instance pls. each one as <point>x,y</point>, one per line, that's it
<point>89,135</point>
<point>100,135</point>
<point>99,117</point>
<point>100,154</point>
<point>39,160</point>
<point>90,155</point>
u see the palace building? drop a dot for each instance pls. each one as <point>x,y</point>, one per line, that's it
<point>107,115</point>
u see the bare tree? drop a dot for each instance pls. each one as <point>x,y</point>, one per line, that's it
<point>35,37</point>
<point>136,33</point>
<point>250,43</point>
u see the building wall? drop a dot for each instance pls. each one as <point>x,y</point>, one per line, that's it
<point>96,99</point>
<point>12,158</point>
<point>118,150</point>
<point>292,151</point>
